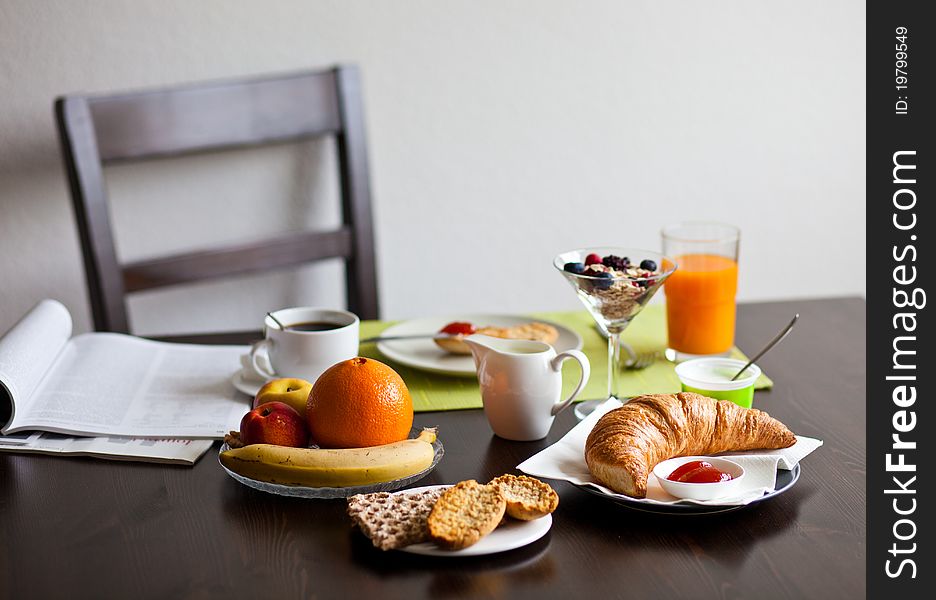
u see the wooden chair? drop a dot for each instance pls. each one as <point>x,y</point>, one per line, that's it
<point>96,131</point>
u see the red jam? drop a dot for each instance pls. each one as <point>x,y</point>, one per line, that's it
<point>698,471</point>
<point>458,328</point>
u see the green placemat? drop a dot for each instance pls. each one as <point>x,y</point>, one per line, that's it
<point>431,391</point>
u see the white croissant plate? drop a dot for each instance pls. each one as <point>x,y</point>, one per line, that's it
<point>785,480</point>
<point>565,461</point>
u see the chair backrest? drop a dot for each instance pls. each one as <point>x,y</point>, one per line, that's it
<point>95,131</point>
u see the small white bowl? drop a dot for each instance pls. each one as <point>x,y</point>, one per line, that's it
<point>700,491</point>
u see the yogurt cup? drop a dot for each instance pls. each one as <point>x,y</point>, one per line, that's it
<point>712,377</point>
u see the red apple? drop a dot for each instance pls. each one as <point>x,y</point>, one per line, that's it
<point>274,423</point>
<point>289,390</point>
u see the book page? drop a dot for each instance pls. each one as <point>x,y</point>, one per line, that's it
<point>181,452</point>
<point>113,384</point>
<point>27,352</point>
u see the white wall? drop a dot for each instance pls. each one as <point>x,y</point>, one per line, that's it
<point>500,134</point>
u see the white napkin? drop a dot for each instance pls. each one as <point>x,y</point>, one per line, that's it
<point>565,460</point>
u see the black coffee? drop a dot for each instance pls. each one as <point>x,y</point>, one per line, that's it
<point>312,326</point>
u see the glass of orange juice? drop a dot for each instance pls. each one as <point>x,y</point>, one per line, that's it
<point>700,295</point>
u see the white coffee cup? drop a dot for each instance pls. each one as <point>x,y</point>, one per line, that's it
<point>302,353</point>
<point>521,383</point>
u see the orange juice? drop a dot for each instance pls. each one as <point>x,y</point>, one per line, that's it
<point>700,304</point>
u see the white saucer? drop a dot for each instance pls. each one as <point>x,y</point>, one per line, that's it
<point>513,534</point>
<point>425,355</point>
<point>246,385</point>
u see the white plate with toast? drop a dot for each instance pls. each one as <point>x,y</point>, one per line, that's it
<point>509,536</point>
<point>425,355</point>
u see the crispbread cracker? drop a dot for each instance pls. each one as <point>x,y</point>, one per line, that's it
<point>527,498</point>
<point>393,520</point>
<point>465,513</point>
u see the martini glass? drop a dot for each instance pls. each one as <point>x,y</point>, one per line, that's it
<point>614,299</point>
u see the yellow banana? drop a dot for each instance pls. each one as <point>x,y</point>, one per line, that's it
<point>319,467</point>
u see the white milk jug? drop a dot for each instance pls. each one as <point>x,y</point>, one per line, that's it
<point>521,383</point>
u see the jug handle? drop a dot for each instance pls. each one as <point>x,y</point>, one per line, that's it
<point>556,365</point>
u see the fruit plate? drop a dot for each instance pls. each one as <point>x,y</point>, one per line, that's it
<point>513,534</point>
<point>341,492</point>
<point>423,354</point>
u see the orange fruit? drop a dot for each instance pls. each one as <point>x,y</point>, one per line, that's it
<point>357,403</point>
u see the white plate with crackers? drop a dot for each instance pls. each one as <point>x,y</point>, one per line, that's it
<point>425,355</point>
<point>509,536</point>
<point>464,519</point>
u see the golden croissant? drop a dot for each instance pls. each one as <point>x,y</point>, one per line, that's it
<point>628,442</point>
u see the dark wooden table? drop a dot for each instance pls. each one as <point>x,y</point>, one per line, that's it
<point>85,528</point>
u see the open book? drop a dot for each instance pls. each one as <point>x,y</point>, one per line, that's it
<point>109,384</point>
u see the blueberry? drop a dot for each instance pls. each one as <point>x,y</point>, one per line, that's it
<point>574,267</point>
<point>648,265</point>
<point>606,280</point>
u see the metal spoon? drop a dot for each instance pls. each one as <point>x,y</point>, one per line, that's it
<point>277,321</point>
<point>770,345</point>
